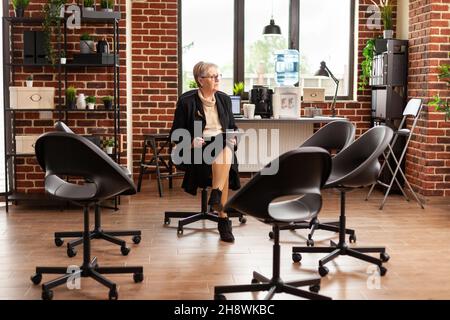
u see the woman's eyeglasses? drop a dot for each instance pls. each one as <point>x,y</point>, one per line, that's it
<point>216,77</point>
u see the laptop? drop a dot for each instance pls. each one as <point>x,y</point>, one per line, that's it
<point>236,106</point>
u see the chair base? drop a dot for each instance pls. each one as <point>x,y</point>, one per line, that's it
<point>91,270</point>
<point>316,225</point>
<point>275,285</point>
<point>341,248</point>
<point>261,283</point>
<point>203,214</point>
<point>97,233</point>
<point>338,249</point>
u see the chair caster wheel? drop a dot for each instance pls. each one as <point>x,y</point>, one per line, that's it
<point>37,278</point>
<point>125,251</point>
<point>352,238</point>
<point>384,257</point>
<point>296,257</point>
<point>271,235</point>
<point>180,231</point>
<point>71,252</point>
<point>315,288</point>
<point>59,242</point>
<point>323,271</point>
<point>166,221</point>
<point>136,239</point>
<point>138,277</point>
<point>242,220</point>
<point>219,297</point>
<point>254,281</point>
<point>113,295</point>
<point>383,270</point>
<point>47,294</point>
<point>310,243</point>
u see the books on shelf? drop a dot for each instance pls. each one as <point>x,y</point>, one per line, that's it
<point>379,70</point>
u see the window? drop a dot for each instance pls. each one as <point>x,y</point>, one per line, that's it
<point>259,49</point>
<point>207,35</point>
<point>324,35</point>
<point>229,33</point>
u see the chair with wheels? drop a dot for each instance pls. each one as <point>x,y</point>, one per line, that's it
<point>334,137</point>
<point>354,167</point>
<point>260,198</point>
<point>412,109</point>
<point>62,154</point>
<point>98,232</point>
<point>188,217</point>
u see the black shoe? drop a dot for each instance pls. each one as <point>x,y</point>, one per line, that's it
<point>215,200</point>
<point>224,227</point>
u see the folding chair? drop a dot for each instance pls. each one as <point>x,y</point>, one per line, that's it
<point>413,108</point>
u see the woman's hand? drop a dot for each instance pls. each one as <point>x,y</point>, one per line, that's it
<point>198,142</point>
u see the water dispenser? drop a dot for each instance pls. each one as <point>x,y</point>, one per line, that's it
<point>287,67</point>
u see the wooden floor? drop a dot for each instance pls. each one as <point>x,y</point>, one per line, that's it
<point>188,267</point>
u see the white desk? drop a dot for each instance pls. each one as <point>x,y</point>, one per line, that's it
<point>266,139</point>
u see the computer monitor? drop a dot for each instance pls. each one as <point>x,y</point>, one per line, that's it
<point>236,105</point>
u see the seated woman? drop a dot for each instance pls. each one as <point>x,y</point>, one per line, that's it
<point>209,110</point>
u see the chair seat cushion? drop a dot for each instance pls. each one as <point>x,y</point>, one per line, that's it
<point>296,210</point>
<point>60,188</point>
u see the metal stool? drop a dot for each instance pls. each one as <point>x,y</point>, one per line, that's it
<point>157,161</point>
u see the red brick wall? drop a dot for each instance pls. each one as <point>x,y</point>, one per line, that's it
<point>155,69</point>
<point>90,81</point>
<point>428,158</point>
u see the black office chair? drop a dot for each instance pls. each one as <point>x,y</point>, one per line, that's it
<point>66,154</point>
<point>354,167</point>
<point>98,232</point>
<point>256,199</point>
<point>334,137</point>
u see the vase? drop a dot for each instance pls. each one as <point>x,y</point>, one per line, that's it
<point>63,60</point>
<point>81,102</point>
<point>29,83</point>
<point>87,46</point>
<point>109,150</point>
<point>20,12</point>
<point>388,34</point>
<point>91,106</point>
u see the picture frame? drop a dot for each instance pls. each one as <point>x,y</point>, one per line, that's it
<point>287,102</point>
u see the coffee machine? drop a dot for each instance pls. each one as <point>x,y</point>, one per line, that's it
<point>261,97</point>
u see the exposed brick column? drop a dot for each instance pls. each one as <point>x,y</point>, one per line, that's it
<point>428,158</point>
<point>155,69</point>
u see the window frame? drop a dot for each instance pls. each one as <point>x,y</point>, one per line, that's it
<point>293,40</point>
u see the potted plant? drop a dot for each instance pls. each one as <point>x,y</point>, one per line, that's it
<point>71,94</point>
<point>63,57</point>
<point>86,43</point>
<point>29,81</point>
<point>109,145</point>
<point>51,25</point>
<point>438,102</point>
<point>19,7</point>
<point>107,5</point>
<point>192,84</point>
<point>90,100</point>
<point>386,11</point>
<point>88,5</point>
<point>107,101</point>
<point>366,65</point>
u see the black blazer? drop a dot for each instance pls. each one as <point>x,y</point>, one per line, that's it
<point>189,110</point>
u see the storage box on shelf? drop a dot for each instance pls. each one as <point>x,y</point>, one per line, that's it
<point>31,98</point>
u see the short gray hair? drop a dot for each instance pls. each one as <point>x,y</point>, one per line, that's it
<point>200,70</point>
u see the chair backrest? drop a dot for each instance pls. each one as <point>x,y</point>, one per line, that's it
<point>62,127</point>
<point>300,172</point>
<point>67,154</point>
<point>336,135</point>
<point>358,165</point>
<point>413,107</point>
